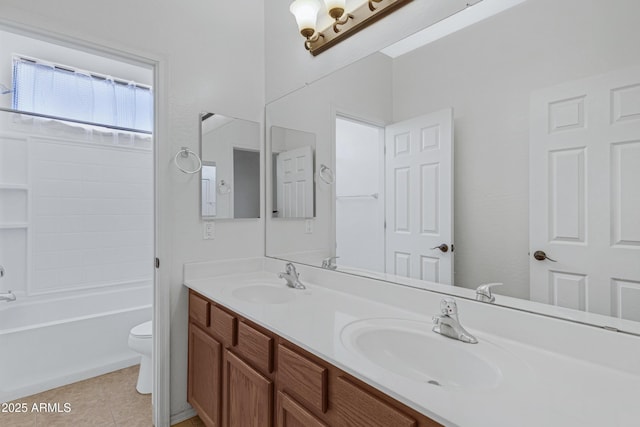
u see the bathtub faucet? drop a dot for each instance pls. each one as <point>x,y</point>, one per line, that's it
<point>7,296</point>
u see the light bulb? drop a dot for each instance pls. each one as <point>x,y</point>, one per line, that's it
<point>335,8</point>
<point>306,13</point>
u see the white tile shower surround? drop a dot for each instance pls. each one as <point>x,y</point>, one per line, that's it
<point>572,375</point>
<point>81,206</point>
<point>92,214</point>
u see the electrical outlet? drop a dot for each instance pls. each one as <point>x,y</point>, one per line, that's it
<point>308,226</point>
<point>209,229</point>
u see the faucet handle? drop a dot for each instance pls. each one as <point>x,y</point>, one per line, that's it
<point>328,261</point>
<point>448,307</point>
<point>483,292</point>
<point>291,269</point>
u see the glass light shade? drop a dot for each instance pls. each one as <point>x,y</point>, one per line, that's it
<point>333,4</point>
<point>306,13</point>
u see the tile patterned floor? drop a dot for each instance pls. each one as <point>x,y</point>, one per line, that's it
<point>110,400</point>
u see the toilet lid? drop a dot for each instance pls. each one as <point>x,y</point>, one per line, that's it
<point>143,330</point>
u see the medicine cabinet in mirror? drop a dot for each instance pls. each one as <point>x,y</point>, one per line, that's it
<point>230,174</point>
<point>508,152</point>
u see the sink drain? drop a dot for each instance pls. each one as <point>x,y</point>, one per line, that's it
<point>434,382</point>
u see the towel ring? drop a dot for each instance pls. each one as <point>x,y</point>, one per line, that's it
<point>185,153</point>
<point>326,174</point>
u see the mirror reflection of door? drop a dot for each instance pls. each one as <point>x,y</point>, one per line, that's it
<point>208,189</point>
<point>293,189</point>
<point>419,185</point>
<point>394,196</point>
<point>295,183</point>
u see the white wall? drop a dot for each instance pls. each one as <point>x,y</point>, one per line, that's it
<point>487,73</point>
<point>289,66</point>
<point>208,63</point>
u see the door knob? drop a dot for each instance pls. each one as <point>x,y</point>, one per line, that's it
<point>541,256</point>
<point>443,247</point>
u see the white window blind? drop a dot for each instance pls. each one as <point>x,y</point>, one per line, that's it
<point>61,92</point>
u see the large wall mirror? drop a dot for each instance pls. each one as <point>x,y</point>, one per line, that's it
<point>230,174</point>
<point>504,152</point>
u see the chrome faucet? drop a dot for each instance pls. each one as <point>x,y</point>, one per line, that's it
<point>329,263</point>
<point>447,322</point>
<point>7,296</point>
<point>292,277</point>
<point>483,293</point>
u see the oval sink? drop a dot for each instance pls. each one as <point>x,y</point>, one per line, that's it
<point>410,349</point>
<point>265,294</point>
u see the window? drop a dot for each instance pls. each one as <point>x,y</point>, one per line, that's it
<point>77,95</point>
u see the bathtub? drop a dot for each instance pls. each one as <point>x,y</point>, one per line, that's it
<point>47,342</point>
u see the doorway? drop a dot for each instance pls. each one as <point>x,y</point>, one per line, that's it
<point>77,229</point>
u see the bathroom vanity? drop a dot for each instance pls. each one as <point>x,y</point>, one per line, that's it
<point>357,351</point>
<point>243,374</point>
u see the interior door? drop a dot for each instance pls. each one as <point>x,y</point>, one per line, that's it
<point>585,194</point>
<point>419,202</point>
<point>294,177</point>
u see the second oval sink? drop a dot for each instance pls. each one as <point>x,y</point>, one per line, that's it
<point>410,349</point>
<point>264,294</point>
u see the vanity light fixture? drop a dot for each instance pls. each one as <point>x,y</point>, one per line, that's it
<point>345,23</point>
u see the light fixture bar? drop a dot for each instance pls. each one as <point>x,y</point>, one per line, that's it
<point>363,16</point>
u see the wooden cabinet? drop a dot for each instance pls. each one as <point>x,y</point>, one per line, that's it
<point>242,375</point>
<point>205,362</point>
<point>248,395</point>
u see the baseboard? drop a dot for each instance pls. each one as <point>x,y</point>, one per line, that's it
<point>182,416</point>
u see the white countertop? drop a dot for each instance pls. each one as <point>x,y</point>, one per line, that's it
<point>538,387</point>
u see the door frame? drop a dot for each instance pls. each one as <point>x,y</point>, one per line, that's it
<point>161,410</point>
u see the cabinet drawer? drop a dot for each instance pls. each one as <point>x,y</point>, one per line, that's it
<point>302,378</point>
<point>357,407</point>
<point>256,347</point>
<point>199,309</point>
<point>224,326</point>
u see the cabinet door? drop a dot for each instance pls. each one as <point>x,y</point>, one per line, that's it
<point>205,363</point>
<point>292,414</point>
<point>248,394</point>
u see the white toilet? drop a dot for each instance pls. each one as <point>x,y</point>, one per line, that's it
<point>140,340</point>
